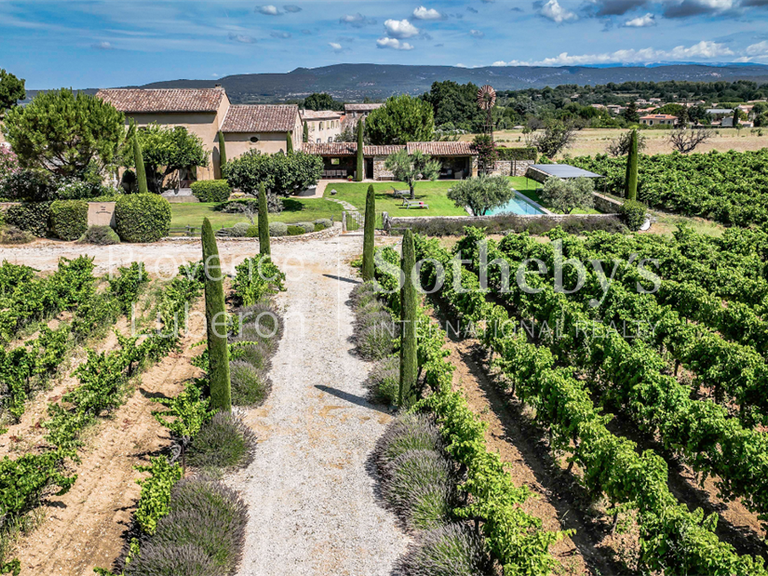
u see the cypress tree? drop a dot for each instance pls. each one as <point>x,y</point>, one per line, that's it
<point>138,159</point>
<point>215,316</point>
<point>305,135</point>
<point>631,178</point>
<point>736,117</point>
<point>360,158</point>
<point>263,222</point>
<point>222,153</point>
<point>368,234</point>
<point>288,143</point>
<point>408,304</point>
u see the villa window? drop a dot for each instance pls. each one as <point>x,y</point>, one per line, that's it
<point>254,139</point>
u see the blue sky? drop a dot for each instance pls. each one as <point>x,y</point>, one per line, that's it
<point>100,43</point>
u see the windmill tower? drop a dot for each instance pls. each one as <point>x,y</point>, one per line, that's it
<point>486,99</point>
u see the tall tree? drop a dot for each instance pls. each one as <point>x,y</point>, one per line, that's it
<point>222,153</point>
<point>736,115</point>
<point>408,300</point>
<point>217,323</point>
<point>485,148</point>
<point>322,102</point>
<point>138,161</point>
<point>630,113</point>
<point>283,174</point>
<point>401,120</point>
<point>264,247</point>
<point>456,105</point>
<point>167,150</point>
<point>360,172</point>
<point>288,143</point>
<point>481,194</point>
<point>555,138</point>
<point>69,135</point>
<point>632,165</point>
<point>305,133</point>
<point>11,91</point>
<point>412,168</point>
<point>368,234</point>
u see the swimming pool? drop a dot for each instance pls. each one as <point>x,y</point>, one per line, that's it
<point>519,204</point>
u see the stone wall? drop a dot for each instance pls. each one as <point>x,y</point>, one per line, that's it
<point>512,167</point>
<point>606,204</point>
<point>380,171</point>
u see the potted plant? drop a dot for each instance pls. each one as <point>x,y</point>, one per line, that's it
<point>350,178</point>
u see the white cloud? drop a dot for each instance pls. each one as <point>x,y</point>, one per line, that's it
<point>704,50</point>
<point>336,46</point>
<point>269,10</point>
<point>557,13</point>
<point>759,49</point>
<point>477,33</point>
<point>102,46</point>
<point>393,43</point>
<point>356,20</point>
<point>242,38</point>
<point>641,21</point>
<point>400,29</point>
<point>422,13</point>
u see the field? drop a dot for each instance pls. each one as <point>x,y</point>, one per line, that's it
<point>591,141</point>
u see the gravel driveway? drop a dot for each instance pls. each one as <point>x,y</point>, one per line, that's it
<point>311,501</point>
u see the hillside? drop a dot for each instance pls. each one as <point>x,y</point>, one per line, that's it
<point>352,82</point>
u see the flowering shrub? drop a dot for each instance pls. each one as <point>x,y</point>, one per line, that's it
<point>9,163</point>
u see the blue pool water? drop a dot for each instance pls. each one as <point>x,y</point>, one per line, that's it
<point>516,205</point>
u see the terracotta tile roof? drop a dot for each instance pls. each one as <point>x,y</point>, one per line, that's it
<point>658,117</point>
<point>362,107</point>
<point>138,100</point>
<point>320,114</point>
<point>260,118</point>
<point>348,149</point>
<point>442,148</point>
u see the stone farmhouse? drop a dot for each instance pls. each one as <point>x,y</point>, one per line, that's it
<point>205,112</point>
<point>323,125</point>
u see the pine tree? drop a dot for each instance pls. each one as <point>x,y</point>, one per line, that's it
<point>631,178</point>
<point>263,222</point>
<point>360,157</point>
<point>305,135</point>
<point>215,316</point>
<point>138,159</point>
<point>368,234</point>
<point>288,143</point>
<point>222,153</point>
<point>408,303</point>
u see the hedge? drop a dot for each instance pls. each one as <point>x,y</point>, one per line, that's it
<point>211,190</point>
<point>69,218</point>
<point>142,217</point>
<point>517,153</point>
<point>30,216</point>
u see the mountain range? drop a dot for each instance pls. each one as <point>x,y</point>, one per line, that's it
<point>354,82</point>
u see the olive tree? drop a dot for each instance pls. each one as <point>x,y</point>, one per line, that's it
<point>410,168</point>
<point>566,195</point>
<point>70,135</point>
<point>481,194</point>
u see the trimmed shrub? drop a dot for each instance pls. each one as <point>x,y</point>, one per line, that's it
<point>278,229</point>
<point>142,217</point>
<point>451,550</point>
<point>209,516</point>
<point>324,222</point>
<point>308,226</point>
<point>260,322</point>
<point>252,231</point>
<point>295,231</point>
<point>223,442</point>
<point>239,230</point>
<point>633,214</point>
<point>420,489</point>
<point>211,190</point>
<point>249,386</point>
<point>407,432</point>
<point>30,184</point>
<point>383,381</point>
<point>516,153</point>
<point>170,560</point>
<point>438,226</point>
<point>32,217</point>
<point>240,205</point>
<point>69,218</point>
<point>101,235</point>
<point>12,235</point>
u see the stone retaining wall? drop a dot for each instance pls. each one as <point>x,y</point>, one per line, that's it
<point>511,167</point>
<point>607,204</point>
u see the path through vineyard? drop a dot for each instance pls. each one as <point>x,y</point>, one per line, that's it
<point>312,504</point>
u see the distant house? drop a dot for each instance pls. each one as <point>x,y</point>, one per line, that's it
<point>205,112</point>
<point>720,112</point>
<point>457,159</point>
<point>354,112</point>
<point>323,125</point>
<point>659,120</point>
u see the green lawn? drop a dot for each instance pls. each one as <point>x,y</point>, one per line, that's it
<point>294,210</point>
